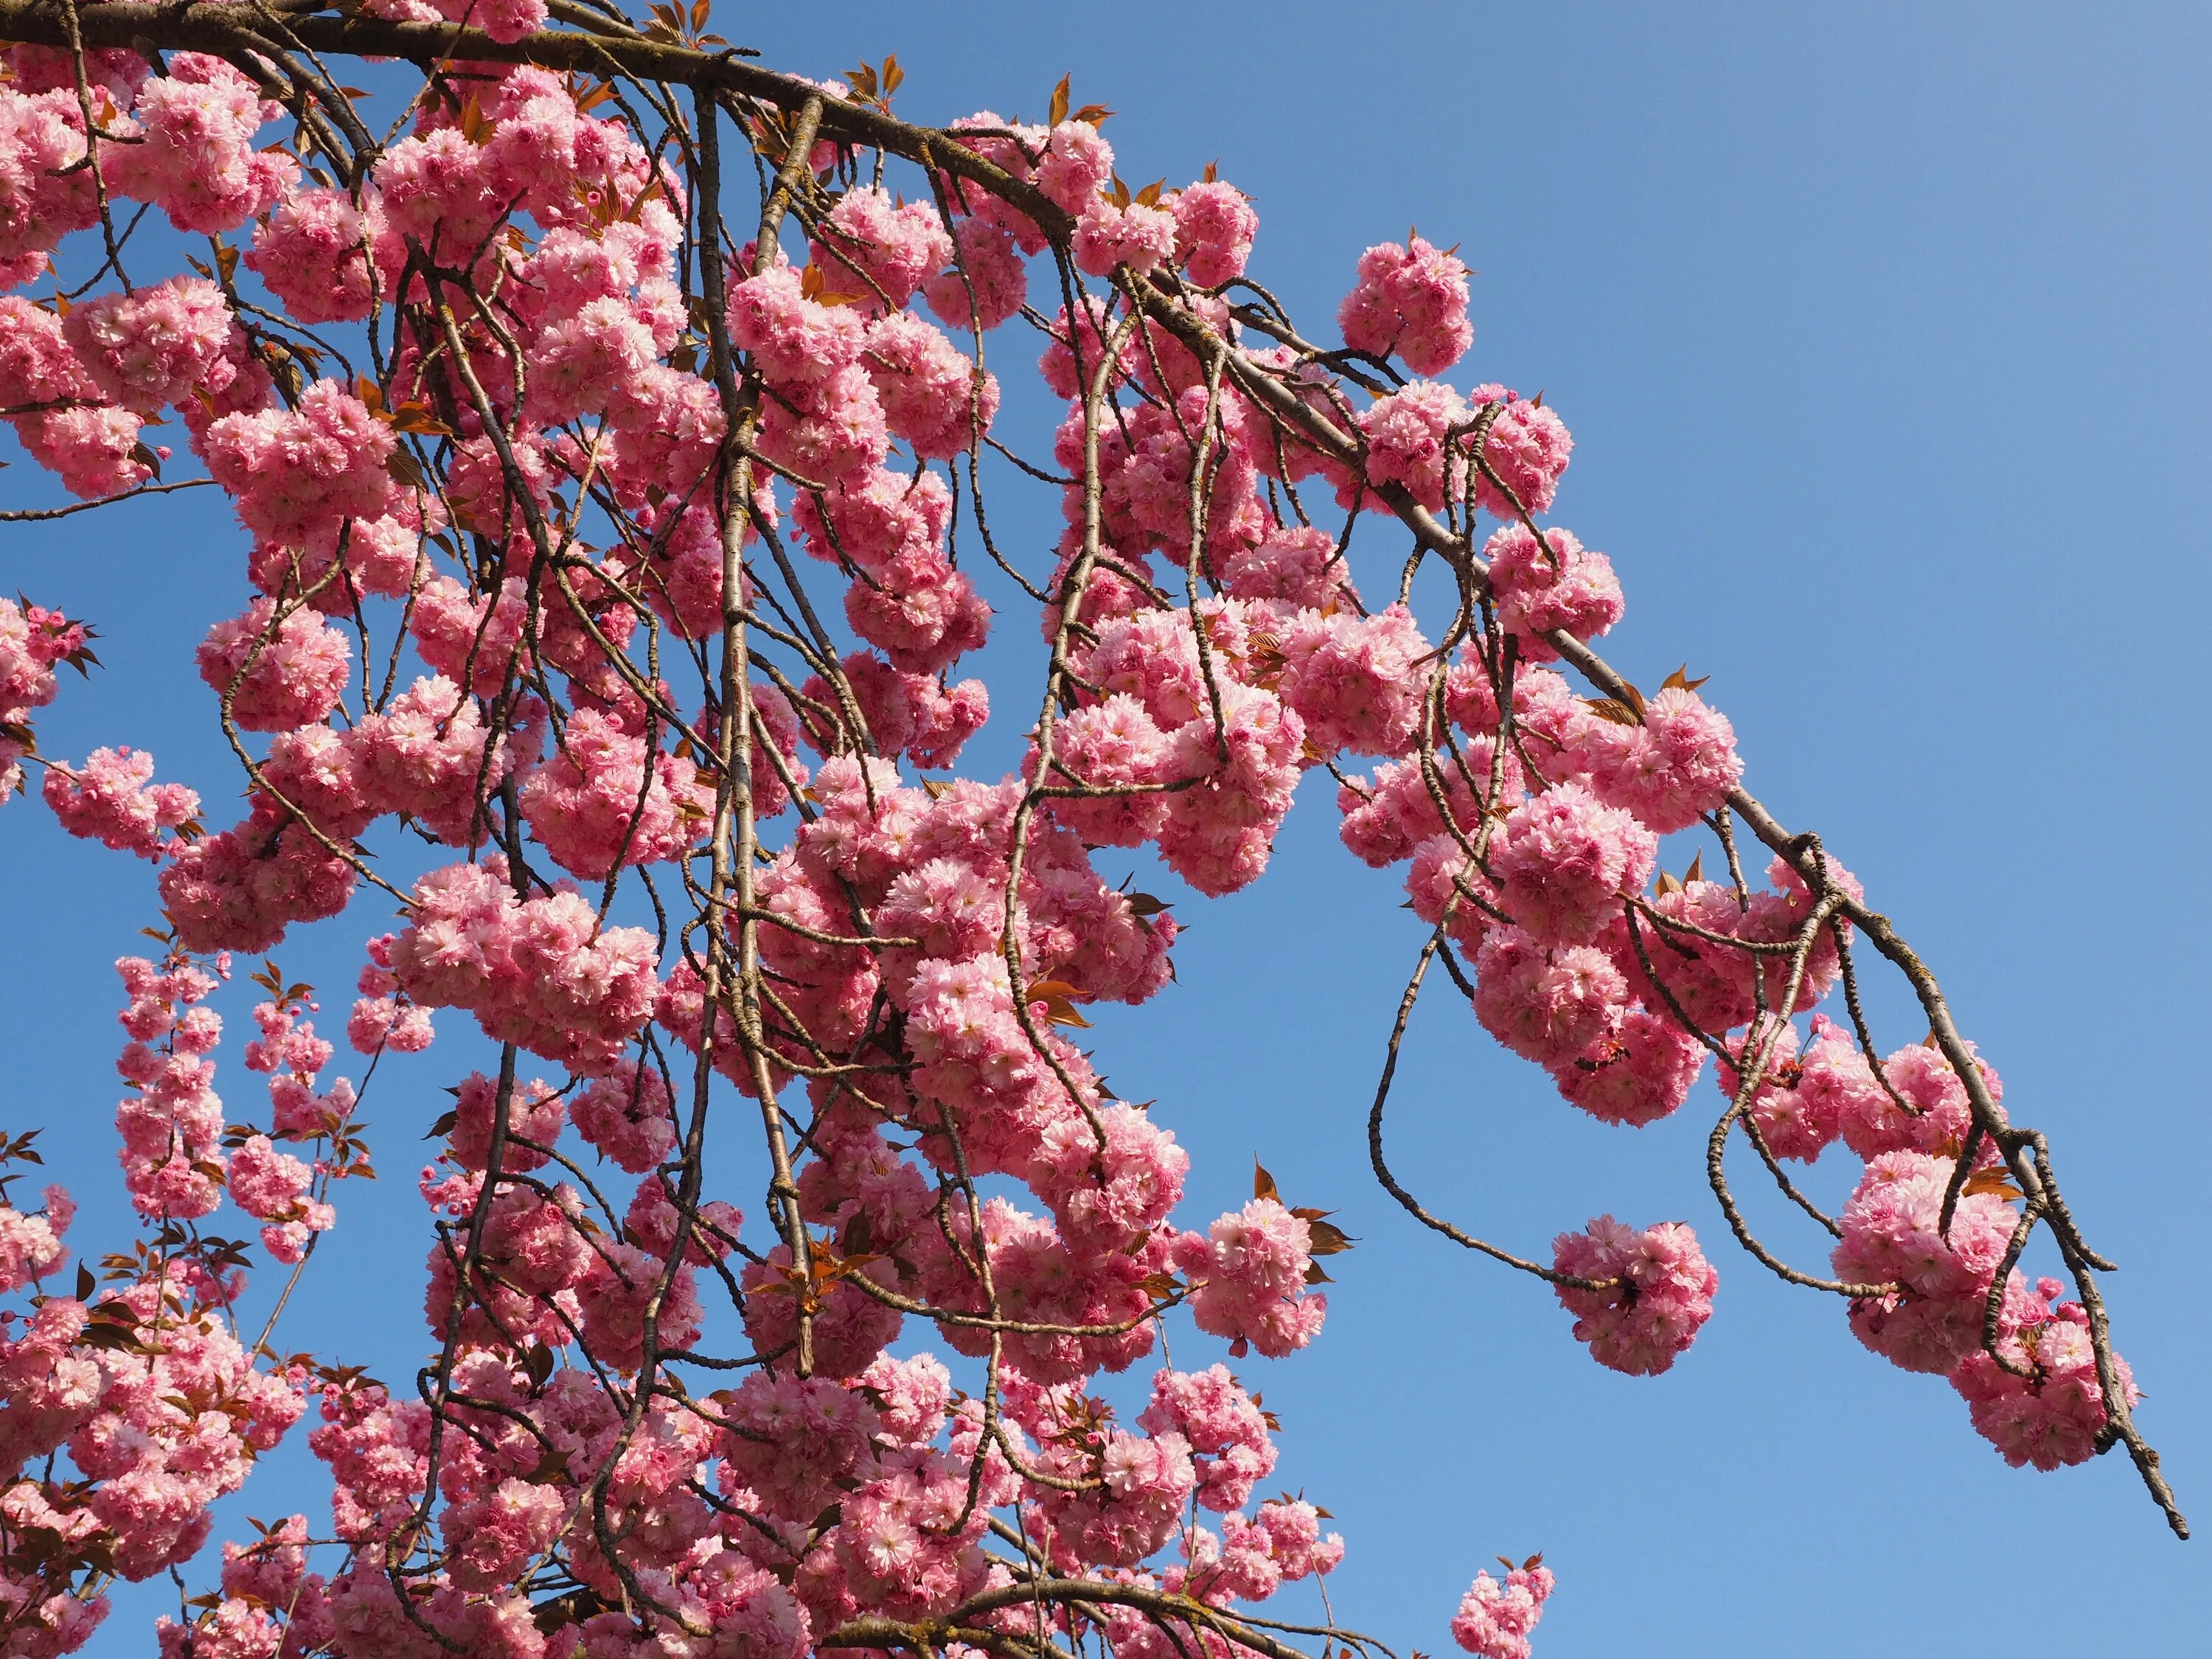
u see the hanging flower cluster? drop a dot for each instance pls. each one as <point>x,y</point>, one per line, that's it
<point>630,592</point>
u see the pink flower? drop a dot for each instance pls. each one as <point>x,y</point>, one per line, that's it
<point>154,347</point>
<point>1494,1620</point>
<point>1673,768</point>
<point>794,1441</point>
<point>1217,834</point>
<point>1107,1197</point>
<point>1407,433</point>
<point>1548,1005</point>
<point>113,799</point>
<point>1411,299</point>
<point>795,341</point>
<point>1572,590</point>
<point>313,252</point>
<point>1637,1076</point>
<point>1298,566</point>
<point>1353,678</point>
<point>1136,237</point>
<point>597,805</point>
<point>1214,228</point>
<point>540,972</point>
<point>44,194</point>
<point>2053,1415</point>
<point>36,365</point>
<point>1111,744</point>
<point>987,282</point>
<point>267,1184</point>
<point>1660,1294</point>
<point>878,251</point>
<point>1565,862</point>
<point>276,676</point>
<point>1891,1235</point>
<point>94,451</point>
<point>627,1115</point>
<point>1224,1427</point>
<point>1803,1110</point>
<point>425,756</point>
<point>533,1115</point>
<point>1144,1483</point>
<point>295,473</point>
<point>614,1296</point>
<point>30,1245</point>
<point>1873,1123</point>
<point>1249,1273</point>
<point>1077,165</point>
<point>588,362</point>
<point>828,429</point>
<point>196,158</point>
<point>933,398</point>
<point>241,889</point>
<point>1527,447</point>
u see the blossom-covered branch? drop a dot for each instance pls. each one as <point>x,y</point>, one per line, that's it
<point>617,536</point>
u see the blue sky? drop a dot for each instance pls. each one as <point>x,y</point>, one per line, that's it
<point>1883,334</point>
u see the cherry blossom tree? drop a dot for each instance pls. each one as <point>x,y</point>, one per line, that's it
<point>607,419</point>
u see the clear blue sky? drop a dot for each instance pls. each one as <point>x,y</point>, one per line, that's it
<point>1882,332</point>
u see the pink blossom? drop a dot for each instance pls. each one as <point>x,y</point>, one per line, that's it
<point>44,193</point>
<point>1660,1294</point>
<point>588,363</point>
<point>1892,1234</point>
<point>987,283</point>
<point>1298,566</point>
<point>239,889</point>
<point>1136,238</point>
<point>427,756</point>
<point>540,972</point>
<point>196,158</point>
<point>296,472</point>
<point>878,251</point>
<point>2056,1414</point>
<point>313,252</point>
<point>1113,744</point>
<point>94,451</point>
<point>1214,228</point>
<point>1353,678</point>
<point>1672,768</point>
<point>1407,435</point>
<point>1411,299</point>
<point>1565,862</point>
<point>1077,163</point>
<point>1935,1111</point>
<point>1572,590</point>
<point>1635,1076</point>
<point>626,1114</point>
<point>598,804</point>
<point>1224,1427</point>
<point>533,1115</point>
<point>796,341</point>
<point>1248,1271</point>
<point>1527,447</point>
<point>1551,1004</point>
<point>153,347</point>
<point>1494,1620</point>
<point>37,364</point>
<point>113,799</point>
<point>933,398</point>
<point>30,1245</point>
<point>276,676</point>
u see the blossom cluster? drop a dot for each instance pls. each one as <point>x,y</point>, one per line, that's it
<point>140,1378</point>
<point>598,454</point>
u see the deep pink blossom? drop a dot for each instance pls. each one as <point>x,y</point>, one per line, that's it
<point>1658,1292</point>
